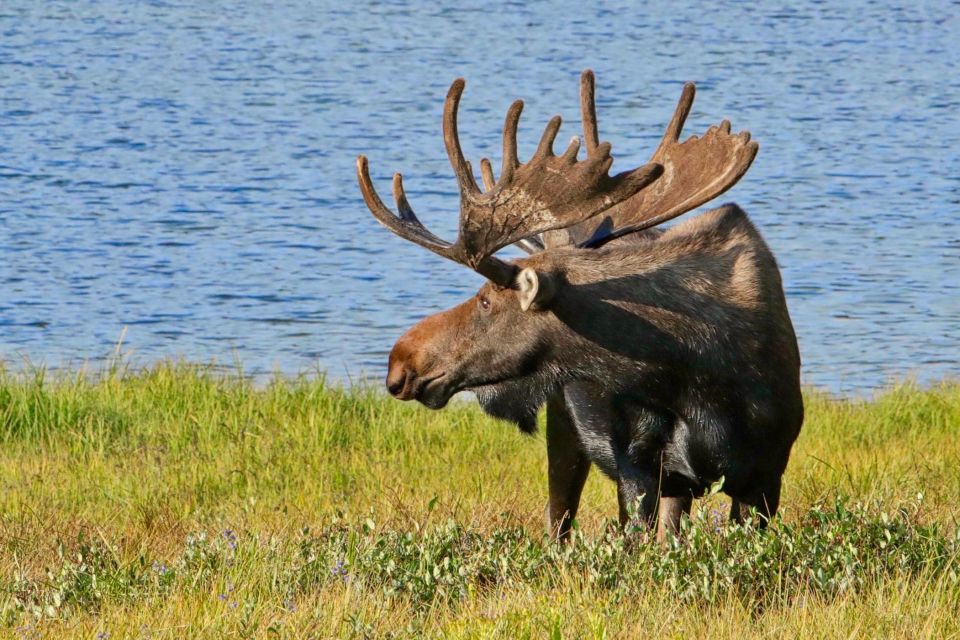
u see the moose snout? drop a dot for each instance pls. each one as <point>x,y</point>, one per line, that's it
<point>415,370</point>
<point>397,377</point>
<point>400,373</point>
<point>409,379</point>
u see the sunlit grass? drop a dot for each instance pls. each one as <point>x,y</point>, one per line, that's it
<point>184,502</point>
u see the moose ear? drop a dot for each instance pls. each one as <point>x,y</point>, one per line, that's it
<point>535,290</point>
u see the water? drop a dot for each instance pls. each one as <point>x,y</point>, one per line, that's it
<point>182,174</point>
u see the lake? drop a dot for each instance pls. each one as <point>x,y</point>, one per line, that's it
<point>181,175</point>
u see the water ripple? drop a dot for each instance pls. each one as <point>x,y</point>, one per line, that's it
<point>189,176</point>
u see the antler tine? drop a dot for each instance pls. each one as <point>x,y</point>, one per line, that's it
<point>406,225</point>
<point>400,197</point>
<point>486,172</point>
<point>675,128</point>
<point>570,155</point>
<point>545,148</point>
<point>451,139</point>
<point>588,111</point>
<point>370,196</point>
<point>510,124</point>
<point>407,214</point>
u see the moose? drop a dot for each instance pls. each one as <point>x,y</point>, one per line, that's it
<point>666,358</point>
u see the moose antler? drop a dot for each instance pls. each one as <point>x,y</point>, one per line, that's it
<point>694,171</point>
<point>547,192</point>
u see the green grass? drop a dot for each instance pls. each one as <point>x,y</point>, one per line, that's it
<point>181,502</point>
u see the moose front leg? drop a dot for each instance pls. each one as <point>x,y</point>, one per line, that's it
<point>567,468</point>
<point>637,496</point>
<point>649,508</point>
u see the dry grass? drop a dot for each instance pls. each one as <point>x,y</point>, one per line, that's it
<point>123,468</point>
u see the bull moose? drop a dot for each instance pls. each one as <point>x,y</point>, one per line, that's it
<point>665,358</point>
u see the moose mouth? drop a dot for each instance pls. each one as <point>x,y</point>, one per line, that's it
<point>522,394</point>
<point>435,392</point>
<point>432,392</point>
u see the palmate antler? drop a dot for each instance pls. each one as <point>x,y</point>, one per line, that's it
<point>547,192</point>
<point>694,172</point>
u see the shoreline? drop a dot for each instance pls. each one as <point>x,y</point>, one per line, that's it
<point>95,368</point>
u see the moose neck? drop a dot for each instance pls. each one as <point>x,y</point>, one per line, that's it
<point>646,309</point>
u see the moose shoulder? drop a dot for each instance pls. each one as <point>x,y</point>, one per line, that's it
<point>667,359</point>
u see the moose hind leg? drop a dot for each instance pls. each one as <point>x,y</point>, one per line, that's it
<point>567,468</point>
<point>765,500</point>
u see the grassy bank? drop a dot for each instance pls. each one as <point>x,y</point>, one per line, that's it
<point>178,502</point>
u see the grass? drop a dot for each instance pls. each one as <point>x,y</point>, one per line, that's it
<point>181,502</point>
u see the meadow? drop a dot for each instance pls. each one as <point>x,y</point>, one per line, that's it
<point>183,502</point>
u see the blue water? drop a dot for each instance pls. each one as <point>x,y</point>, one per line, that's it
<point>182,174</point>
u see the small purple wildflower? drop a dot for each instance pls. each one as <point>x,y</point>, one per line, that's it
<point>225,596</point>
<point>103,635</point>
<point>716,519</point>
<point>339,570</point>
<point>231,537</point>
<point>160,568</point>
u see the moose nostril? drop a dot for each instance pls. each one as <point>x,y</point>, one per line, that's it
<point>396,384</point>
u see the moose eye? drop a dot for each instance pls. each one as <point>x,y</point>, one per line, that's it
<point>484,303</point>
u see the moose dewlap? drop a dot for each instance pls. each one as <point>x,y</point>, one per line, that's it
<point>665,358</point>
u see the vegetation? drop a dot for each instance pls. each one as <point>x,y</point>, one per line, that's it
<point>184,502</point>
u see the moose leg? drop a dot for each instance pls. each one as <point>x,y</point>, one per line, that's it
<point>670,512</point>
<point>766,501</point>
<point>639,457</point>
<point>637,497</point>
<point>567,467</point>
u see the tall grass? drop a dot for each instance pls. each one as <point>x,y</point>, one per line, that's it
<point>181,501</point>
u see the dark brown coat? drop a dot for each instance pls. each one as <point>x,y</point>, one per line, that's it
<point>667,359</point>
